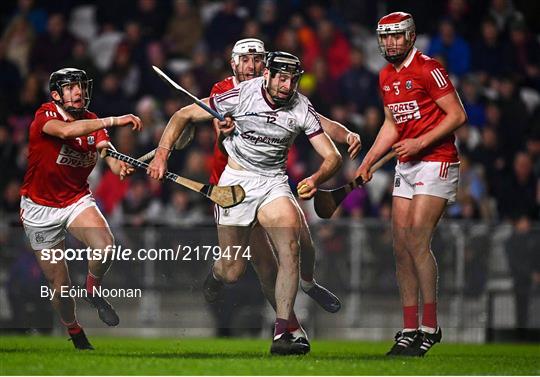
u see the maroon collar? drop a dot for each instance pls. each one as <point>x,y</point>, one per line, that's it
<point>265,96</point>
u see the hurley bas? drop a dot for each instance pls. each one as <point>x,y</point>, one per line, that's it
<point>77,292</point>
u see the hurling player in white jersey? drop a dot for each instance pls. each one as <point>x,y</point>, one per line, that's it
<point>247,62</point>
<point>269,113</point>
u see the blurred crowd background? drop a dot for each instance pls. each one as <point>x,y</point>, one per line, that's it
<point>490,48</point>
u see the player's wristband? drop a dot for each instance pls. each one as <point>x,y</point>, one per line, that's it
<point>164,147</point>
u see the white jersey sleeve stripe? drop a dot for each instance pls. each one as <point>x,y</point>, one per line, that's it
<point>437,79</point>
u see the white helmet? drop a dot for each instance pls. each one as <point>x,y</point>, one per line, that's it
<point>246,47</point>
<point>394,23</point>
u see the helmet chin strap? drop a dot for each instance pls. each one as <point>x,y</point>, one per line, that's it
<point>398,59</point>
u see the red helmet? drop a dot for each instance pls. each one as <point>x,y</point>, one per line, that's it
<point>394,23</point>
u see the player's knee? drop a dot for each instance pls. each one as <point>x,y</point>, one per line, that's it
<point>231,276</point>
<point>417,241</point>
<point>228,274</point>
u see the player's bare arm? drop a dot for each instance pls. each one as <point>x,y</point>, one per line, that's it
<point>331,163</point>
<point>82,127</point>
<point>386,137</point>
<point>118,167</point>
<point>455,118</point>
<point>175,127</point>
<point>341,134</point>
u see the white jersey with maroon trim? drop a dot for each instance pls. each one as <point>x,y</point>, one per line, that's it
<point>264,133</point>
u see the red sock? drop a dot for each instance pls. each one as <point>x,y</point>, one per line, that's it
<point>293,323</point>
<point>429,315</point>
<point>410,317</point>
<point>91,282</point>
<point>306,277</point>
<point>280,326</point>
<point>73,328</point>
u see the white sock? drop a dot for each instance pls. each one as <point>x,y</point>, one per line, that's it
<point>408,330</point>
<point>299,332</point>
<point>429,330</point>
<point>307,285</point>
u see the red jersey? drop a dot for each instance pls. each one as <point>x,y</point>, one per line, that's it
<point>58,170</point>
<point>410,94</point>
<point>220,159</point>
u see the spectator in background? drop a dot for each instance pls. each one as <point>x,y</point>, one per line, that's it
<point>460,14</point>
<point>517,197</point>
<point>8,156</point>
<point>522,253</point>
<point>147,109</point>
<point>184,30</point>
<point>514,116</point>
<point>467,139</point>
<point>10,202</point>
<point>522,55</point>
<point>125,69</point>
<point>452,48</point>
<point>18,41</point>
<point>326,90</point>
<point>30,97</point>
<point>151,16</point>
<point>490,157</point>
<point>36,16</point>
<point>153,85</point>
<point>53,48</point>
<point>268,19</point>
<point>334,48</point>
<point>225,28</point>
<point>471,188</point>
<point>472,101</point>
<point>81,59</point>
<point>503,12</point>
<point>373,120</point>
<point>488,51</point>
<point>358,86</point>
<point>136,42</point>
<point>111,99</point>
<point>138,208</point>
<point>10,82</point>
<point>103,47</point>
<point>288,40</point>
<point>184,209</point>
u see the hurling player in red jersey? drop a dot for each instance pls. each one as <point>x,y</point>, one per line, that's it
<point>247,62</point>
<point>422,111</point>
<point>64,142</point>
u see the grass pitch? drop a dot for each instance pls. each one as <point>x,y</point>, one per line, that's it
<point>134,356</point>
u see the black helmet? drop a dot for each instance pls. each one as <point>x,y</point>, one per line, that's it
<point>66,76</point>
<point>280,61</point>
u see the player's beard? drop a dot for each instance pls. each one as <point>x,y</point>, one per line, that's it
<point>400,54</point>
<point>75,111</point>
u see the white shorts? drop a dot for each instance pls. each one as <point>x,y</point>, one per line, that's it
<point>46,226</point>
<point>260,190</point>
<point>428,178</point>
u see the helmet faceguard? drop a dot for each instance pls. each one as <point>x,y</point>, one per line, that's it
<point>396,23</point>
<point>247,47</point>
<point>67,77</point>
<point>278,63</point>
